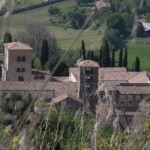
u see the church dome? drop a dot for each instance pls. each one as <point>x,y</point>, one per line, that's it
<point>88,63</point>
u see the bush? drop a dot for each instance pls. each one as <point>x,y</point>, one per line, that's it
<point>54,10</point>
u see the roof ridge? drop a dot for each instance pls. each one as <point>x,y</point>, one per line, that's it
<point>134,76</point>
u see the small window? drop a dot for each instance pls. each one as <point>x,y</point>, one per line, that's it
<point>88,71</point>
<point>23,70</point>
<point>36,77</point>
<point>18,58</point>
<point>88,87</point>
<point>42,77</point>
<point>23,58</point>
<point>20,78</point>
<point>18,69</point>
<point>88,78</point>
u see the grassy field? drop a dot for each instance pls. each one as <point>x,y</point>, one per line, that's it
<point>92,38</point>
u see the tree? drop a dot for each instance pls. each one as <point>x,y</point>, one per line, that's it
<point>35,34</point>
<point>7,38</point>
<point>89,54</point>
<point>117,22</point>
<point>120,58</point>
<point>100,56</point>
<point>140,32</point>
<point>125,59</point>
<point>36,62</point>
<point>82,50</point>
<point>76,17</point>
<point>54,10</point>
<point>44,54</point>
<point>113,58</point>
<point>114,39</point>
<point>79,2</point>
<point>106,55</point>
<point>137,64</point>
<point>92,55</point>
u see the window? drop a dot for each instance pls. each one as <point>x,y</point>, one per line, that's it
<point>23,58</point>
<point>18,69</point>
<point>20,78</point>
<point>88,78</point>
<point>23,70</point>
<point>88,87</point>
<point>88,71</point>
<point>36,77</point>
<point>18,58</point>
<point>42,77</point>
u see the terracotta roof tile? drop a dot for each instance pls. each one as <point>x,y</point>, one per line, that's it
<point>17,46</point>
<point>88,63</point>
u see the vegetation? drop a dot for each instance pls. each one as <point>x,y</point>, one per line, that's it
<point>137,64</point>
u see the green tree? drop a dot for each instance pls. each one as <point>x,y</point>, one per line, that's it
<point>54,10</point>
<point>36,62</point>
<point>120,58</point>
<point>79,2</point>
<point>140,30</point>
<point>125,59</point>
<point>82,50</point>
<point>76,17</point>
<point>117,22</point>
<point>100,56</point>
<point>89,54</point>
<point>114,39</point>
<point>137,64</point>
<point>106,55</point>
<point>113,58</point>
<point>7,38</point>
<point>44,54</point>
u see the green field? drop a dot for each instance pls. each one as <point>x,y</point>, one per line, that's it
<point>92,38</point>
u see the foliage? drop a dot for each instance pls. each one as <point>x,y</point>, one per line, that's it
<point>35,34</point>
<point>7,38</point>
<point>54,10</point>
<point>79,2</point>
<point>140,30</point>
<point>100,56</point>
<point>120,58</point>
<point>114,38</point>
<point>36,62</point>
<point>76,17</point>
<point>137,64</point>
<point>82,50</point>
<point>113,58</point>
<point>106,55</point>
<point>44,54</point>
<point>125,59</point>
<point>117,22</point>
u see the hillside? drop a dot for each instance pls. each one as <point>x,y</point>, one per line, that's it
<point>64,37</point>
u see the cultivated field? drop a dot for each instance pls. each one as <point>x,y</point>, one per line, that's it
<point>92,38</point>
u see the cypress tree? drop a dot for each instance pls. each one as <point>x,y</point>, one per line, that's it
<point>44,54</point>
<point>120,58</point>
<point>100,56</point>
<point>106,55</point>
<point>92,55</point>
<point>125,59</point>
<point>137,64</point>
<point>82,50</point>
<point>89,54</point>
<point>113,58</point>
<point>7,38</point>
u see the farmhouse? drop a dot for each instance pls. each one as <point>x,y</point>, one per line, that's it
<point>85,80</point>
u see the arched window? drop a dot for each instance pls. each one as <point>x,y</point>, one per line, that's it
<point>36,77</point>
<point>18,58</point>
<point>18,70</point>
<point>42,77</point>
<point>23,58</point>
<point>20,78</point>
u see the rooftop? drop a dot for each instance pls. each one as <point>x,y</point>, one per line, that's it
<point>88,63</point>
<point>17,46</point>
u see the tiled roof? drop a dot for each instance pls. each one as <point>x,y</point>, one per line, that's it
<point>35,71</point>
<point>116,75</point>
<point>65,96</point>
<point>146,26</point>
<point>17,46</point>
<point>60,79</point>
<point>137,89</point>
<point>113,69</point>
<point>139,78</point>
<point>88,63</point>
<point>59,87</point>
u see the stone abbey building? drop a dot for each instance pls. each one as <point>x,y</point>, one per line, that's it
<point>81,85</point>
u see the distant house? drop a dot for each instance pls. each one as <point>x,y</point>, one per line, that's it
<point>146,26</point>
